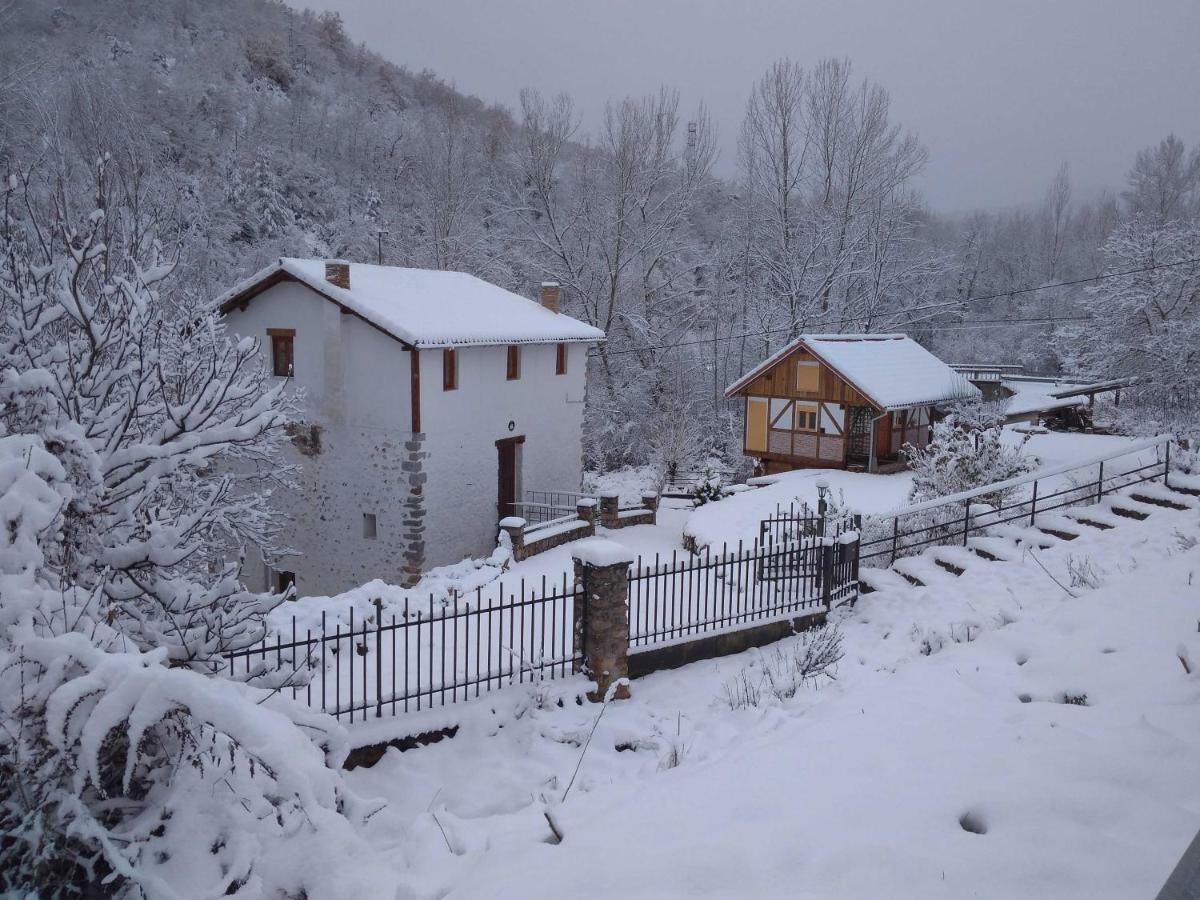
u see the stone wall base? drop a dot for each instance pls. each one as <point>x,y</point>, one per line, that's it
<point>537,545</point>
<point>370,754</point>
<point>647,517</point>
<point>643,661</point>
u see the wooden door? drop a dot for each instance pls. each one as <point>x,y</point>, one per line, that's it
<point>506,491</point>
<point>756,425</point>
<point>883,438</point>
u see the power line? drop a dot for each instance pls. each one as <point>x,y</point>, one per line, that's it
<point>1007,295</point>
<point>951,326</point>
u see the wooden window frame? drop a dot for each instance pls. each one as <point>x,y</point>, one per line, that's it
<point>449,369</point>
<point>512,367</point>
<point>286,360</point>
<point>810,412</point>
<point>560,358</point>
<point>370,526</point>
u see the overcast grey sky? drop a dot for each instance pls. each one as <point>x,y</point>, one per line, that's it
<point>1001,91</point>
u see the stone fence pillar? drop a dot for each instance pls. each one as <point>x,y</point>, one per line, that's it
<point>585,508</point>
<point>610,508</point>
<point>650,502</point>
<point>514,527</point>
<point>602,614</point>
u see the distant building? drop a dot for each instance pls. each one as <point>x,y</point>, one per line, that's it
<point>1061,401</point>
<point>844,401</point>
<point>432,400</point>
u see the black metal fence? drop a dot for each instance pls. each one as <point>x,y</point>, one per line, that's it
<point>416,656</point>
<point>679,598</point>
<point>797,522</point>
<point>419,656</point>
<point>1018,502</point>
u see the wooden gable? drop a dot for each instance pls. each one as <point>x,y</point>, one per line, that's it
<point>785,379</point>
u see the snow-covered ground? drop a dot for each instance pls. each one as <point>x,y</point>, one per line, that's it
<point>737,518</point>
<point>942,762</point>
<point>431,654</point>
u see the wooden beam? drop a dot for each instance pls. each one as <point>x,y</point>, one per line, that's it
<point>415,383</point>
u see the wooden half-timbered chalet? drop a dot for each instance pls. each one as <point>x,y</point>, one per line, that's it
<point>844,401</point>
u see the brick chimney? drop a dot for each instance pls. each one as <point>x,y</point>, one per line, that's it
<point>550,295</point>
<point>337,272</point>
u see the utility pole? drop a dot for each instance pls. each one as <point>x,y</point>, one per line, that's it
<point>379,234</point>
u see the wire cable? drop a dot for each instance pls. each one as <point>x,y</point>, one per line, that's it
<point>952,326</point>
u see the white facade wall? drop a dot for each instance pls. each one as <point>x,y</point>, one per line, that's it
<point>356,385</point>
<point>461,429</point>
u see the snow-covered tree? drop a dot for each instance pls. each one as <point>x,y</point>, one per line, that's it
<point>268,214</point>
<point>1146,325</point>
<point>1164,183</point>
<point>966,451</point>
<point>165,426</point>
<point>136,443</point>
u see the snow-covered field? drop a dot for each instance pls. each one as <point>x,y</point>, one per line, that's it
<point>942,762</point>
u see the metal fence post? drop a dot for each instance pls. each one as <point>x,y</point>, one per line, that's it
<point>378,657</point>
<point>827,551</point>
<point>1167,464</point>
<point>895,538</point>
<point>1033,505</point>
<point>854,565</point>
<point>966,521</point>
<point>1100,484</point>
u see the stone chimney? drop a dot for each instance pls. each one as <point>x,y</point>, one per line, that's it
<point>550,295</point>
<point>337,272</point>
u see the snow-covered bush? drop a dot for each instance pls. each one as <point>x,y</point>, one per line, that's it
<point>708,488</point>
<point>123,774</point>
<point>966,452</point>
<point>806,661</point>
<point>166,429</point>
<point>786,668</point>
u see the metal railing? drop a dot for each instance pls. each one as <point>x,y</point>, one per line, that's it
<point>421,655</point>
<point>690,597</point>
<point>954,519</point>
<point>798,522</point>
<point>539,507</point>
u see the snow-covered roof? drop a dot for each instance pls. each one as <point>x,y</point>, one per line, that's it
<point>1030,396</point>
<point>426,307</point>
<point>891,370</point>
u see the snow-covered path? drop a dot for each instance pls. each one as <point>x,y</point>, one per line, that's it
<point>947,715</point>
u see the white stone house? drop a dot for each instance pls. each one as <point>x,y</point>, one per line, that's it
<point>431,401</point>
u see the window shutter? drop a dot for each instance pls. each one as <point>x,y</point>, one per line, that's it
<point>560,359</point>
<point>282,350</point>
<point>808,377</point>
<point>514,362</point>
<point>449,369</point>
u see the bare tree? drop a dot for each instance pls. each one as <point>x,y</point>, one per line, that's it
<point>1165,181</point>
